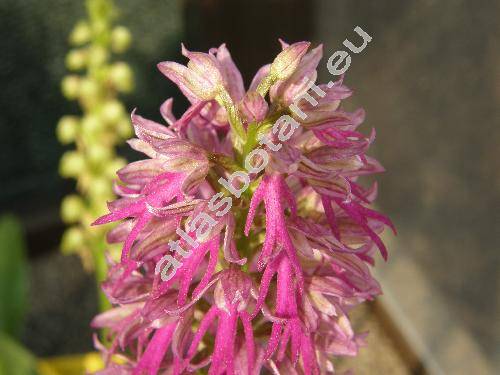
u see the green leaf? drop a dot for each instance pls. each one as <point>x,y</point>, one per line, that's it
<point>14,359</point>
<point>13,276</point>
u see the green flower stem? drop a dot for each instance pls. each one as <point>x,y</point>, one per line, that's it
<point>266,84</point>
<point>251,139</point>
<point>234,118</point>
<point>101,270</point>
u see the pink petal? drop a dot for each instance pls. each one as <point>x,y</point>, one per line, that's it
<point>157,347</point>
<point>177,74</point>
<point>166,111</point>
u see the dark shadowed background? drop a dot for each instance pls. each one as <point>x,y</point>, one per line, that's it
<point>429,81</point>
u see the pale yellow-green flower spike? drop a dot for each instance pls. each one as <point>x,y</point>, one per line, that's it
<point>96,80</point>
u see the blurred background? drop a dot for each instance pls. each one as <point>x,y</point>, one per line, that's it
<point>430,83</point>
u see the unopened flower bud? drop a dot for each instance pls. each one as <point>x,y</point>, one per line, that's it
<point>89,89</point>
<point>72,240</point>
<point>100,189</point>
<point>121,77</point>
<point>120,39</point>
<point>287,61</point>
<point>76,59</point>
<point>92,124</point>
<point>72,164</point>
<point>115,165</point>
<point>99,25</point>
<point>81,34</point>
<point>70,86</point>
<point>253,107</point>
<point>98,154</point>
<point>97,55</point>
<point>67,129</point>
<point>72,208</point>
<point>124,128</point>
<point>112,111</point>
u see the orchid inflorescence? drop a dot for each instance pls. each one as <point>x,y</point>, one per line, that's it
<point>211,280</point>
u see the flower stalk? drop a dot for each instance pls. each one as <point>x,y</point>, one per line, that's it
<point>95,84</point>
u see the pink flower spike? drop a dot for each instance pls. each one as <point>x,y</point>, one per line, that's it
<point>212,281</point>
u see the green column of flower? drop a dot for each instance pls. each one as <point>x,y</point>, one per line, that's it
<point>96,82</point>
